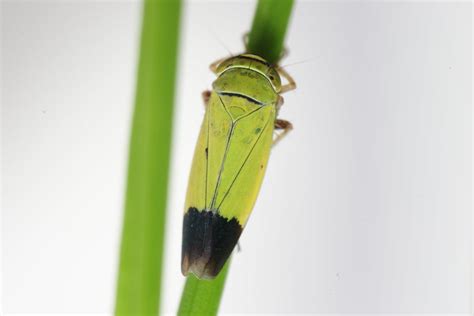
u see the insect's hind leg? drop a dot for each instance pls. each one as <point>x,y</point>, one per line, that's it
<point>282,125</point>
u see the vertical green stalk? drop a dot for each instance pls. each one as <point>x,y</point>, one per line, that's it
<point>266,38</point>
<point>202,298</point>
<point>269,26</point>
<point>139,278</point>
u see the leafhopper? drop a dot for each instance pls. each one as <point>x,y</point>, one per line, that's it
<point>230,158</point>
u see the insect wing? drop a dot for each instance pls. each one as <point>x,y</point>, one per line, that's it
<point>228,167</point>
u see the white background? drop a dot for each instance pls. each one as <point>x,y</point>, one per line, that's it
<point>366,206</point>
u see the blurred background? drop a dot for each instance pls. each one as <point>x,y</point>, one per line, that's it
<point>366,205</point>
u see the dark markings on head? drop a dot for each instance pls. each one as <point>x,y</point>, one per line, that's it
<point>208,241</point>
<point>239,95</point>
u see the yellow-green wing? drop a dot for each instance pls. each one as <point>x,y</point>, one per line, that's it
<point>231,156</point>
<point>229,163</point>
<point>245,163</point>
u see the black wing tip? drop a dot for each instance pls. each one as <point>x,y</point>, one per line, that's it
<point>208,241</point>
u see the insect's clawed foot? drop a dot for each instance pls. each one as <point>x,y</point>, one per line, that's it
<point>245,39</point>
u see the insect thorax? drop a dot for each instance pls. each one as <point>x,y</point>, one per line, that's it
<point>247,83</point>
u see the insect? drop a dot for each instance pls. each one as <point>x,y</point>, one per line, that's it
<point>230,158</point>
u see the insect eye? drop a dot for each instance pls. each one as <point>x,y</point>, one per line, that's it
<point>271,78</point>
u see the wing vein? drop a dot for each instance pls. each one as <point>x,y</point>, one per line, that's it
<point>229,136</point>
<point>243,164</point>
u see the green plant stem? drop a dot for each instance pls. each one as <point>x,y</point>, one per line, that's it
<point>139,277</point>
<point>269,26</point>
<point>202,297</point>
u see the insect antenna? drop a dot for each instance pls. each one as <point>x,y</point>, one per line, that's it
<point>295,63</point>
<point>221,43</point>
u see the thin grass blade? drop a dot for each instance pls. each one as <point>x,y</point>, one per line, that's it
<point>141,254</point>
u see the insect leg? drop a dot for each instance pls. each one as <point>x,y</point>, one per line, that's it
<point>245,39</point>
<point>279,103</point>
<point>291,85</point>
<point>206,95</point>
<point>285,126</point>
<point>284,54</point>
<point>215,64</point>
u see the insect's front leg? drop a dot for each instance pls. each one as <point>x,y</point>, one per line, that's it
<point>245,39</point>
<point>215,64</point>
<point>282,125</point>
<point>284,54</point>
<point>291,85</point>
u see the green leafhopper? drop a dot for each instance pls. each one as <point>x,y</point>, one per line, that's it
<point>230,158</point>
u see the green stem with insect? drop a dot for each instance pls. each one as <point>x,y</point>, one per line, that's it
<point>266,39</point>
